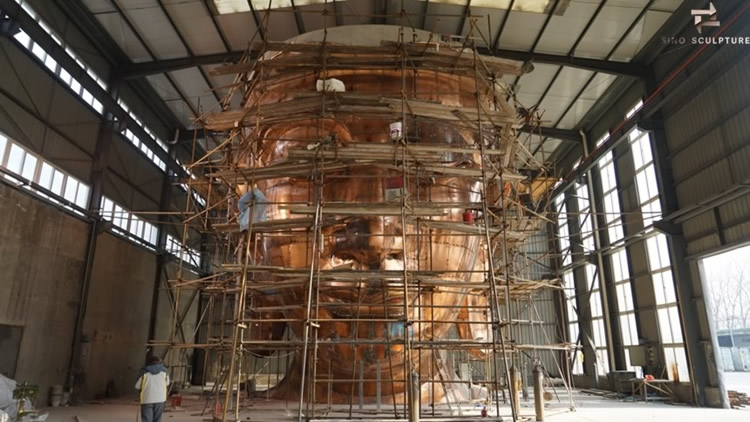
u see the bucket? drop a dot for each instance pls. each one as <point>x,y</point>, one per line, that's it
<point>55,395</point>
<point>396,131</point>
<point>65,400</point>
<point>176,400</point>
<point>468,217</point>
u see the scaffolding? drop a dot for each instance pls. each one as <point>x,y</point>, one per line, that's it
<point>289,285</point>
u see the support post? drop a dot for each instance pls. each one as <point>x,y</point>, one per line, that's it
<point>515,383</point>
<point>538,392</point>
<point>161,244</point>
<point>98,171</point>
<point>74,367</point>
<point>361,384</point>
<point>377,386</point>
<point>524,384</point>
<point>414,398</point>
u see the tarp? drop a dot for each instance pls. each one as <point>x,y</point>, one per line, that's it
<point>7,403</point>
<point>245,204</point>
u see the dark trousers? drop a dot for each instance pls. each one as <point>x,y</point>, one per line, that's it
<point>152,412</point>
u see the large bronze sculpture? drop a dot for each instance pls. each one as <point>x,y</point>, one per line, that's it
<point>386,164</point>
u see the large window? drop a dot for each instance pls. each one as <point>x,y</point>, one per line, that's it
<point>76,86</point>
<point>563,231</point>
<point>139,144</point>
<point>53,66</point>
<point>185,187</point>
<point>599,336</point>
<point>668,313</point>
<point>625,305</point>
<point>618,258</point>
<point>586,228</point>
<point>569,288</point>
<point>128,223</point>
<point>645,173</point>
<point>32,168</point>
<point>585,218</point>
<point>659,262</point>
<point>189,255</point>
<point>610,196</point>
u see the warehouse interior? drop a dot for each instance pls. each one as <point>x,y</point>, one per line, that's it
<point>329,210</point>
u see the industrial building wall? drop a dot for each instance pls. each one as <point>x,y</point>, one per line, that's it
<point>708,129</point>
<point>181,361</point>
<point>42,254</point>
<point>43,250</point>
<point>118,314</point>
<point>535,263</point>
<point>40,112</point>
<point>696,118</point>
<point>708,144</point>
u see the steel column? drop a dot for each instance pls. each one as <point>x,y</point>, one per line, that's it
<point>691,300</point>
<point>161,243</point>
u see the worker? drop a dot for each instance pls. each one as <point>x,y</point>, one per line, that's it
<point>253,201</point>
<point>153,384</point>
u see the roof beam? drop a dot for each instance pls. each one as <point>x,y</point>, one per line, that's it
<point>258,21</point>
<point>567,135</point>
<point>138,70</point>
<point>635,70</point>
<point>462,22</point>
<point>298,19</point>
<point>337,13</point>
<point>142,69</point>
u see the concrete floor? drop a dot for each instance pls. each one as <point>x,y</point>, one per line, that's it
<point>588,408</point>
<point>738,381</point>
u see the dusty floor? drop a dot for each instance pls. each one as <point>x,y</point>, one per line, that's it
<point>588,408</point>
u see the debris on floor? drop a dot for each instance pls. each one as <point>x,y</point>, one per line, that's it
<point>603,393</point>
<point>738,400</point>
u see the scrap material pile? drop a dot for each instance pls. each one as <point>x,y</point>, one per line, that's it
<point>397,200</point>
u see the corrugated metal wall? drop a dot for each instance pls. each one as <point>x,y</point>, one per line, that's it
<point>534,263</point>
<point>709,145</point>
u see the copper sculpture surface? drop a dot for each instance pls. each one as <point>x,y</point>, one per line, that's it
<point>368,311</point>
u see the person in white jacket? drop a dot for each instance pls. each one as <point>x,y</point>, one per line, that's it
<point>153,384</point>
